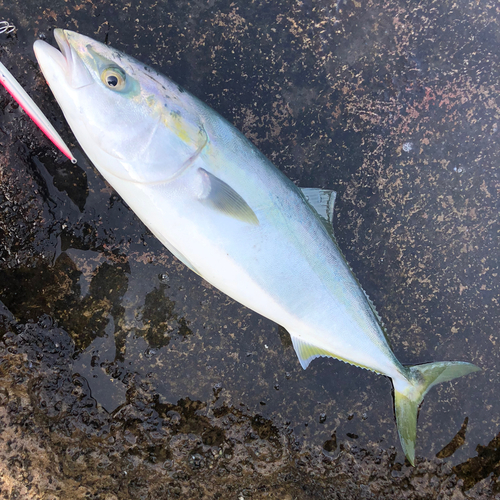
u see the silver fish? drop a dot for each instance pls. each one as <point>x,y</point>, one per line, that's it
<point>227,213</point>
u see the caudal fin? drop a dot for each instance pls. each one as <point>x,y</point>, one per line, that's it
<point>408,399</point>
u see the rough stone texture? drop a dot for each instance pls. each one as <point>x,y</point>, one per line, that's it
<point>123,375</point>
<point>57,442</point>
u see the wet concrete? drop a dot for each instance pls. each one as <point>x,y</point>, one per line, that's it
<point>124,375</point>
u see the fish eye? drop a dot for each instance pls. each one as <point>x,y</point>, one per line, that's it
<point>114,78</point>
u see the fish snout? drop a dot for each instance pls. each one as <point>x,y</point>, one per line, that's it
<point>62,64</point>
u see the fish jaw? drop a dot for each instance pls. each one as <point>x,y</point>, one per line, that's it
<point>63,69</point>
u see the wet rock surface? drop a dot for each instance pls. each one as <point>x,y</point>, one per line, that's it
<point>124,375</point>
<point>58,442</point>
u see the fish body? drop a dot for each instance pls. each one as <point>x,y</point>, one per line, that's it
<point>226,212</point>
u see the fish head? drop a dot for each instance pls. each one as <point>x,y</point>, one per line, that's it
<point>133,123</point>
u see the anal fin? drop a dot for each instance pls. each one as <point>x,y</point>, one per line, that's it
<point>306,352</point>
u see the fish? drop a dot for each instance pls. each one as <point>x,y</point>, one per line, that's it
<point>225,211</point>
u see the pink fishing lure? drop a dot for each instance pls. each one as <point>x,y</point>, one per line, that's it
<point>33,111</point>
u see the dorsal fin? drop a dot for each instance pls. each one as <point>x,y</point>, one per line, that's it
<point>322,200</point>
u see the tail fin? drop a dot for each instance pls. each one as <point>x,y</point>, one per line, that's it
<point>407,399</point>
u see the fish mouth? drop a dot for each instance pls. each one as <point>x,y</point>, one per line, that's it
<point>47,56</point>
<point>63,43</point>
<point>65,60</point>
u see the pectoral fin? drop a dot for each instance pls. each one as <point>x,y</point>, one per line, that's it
<point>221,197</point>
